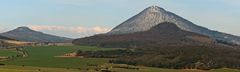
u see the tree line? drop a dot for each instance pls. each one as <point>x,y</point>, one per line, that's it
<point>174,57</point>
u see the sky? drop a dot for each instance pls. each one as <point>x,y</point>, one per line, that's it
<point>81,18</point>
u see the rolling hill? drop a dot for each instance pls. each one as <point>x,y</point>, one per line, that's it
<point>28,35</point>
<point>5,38</point>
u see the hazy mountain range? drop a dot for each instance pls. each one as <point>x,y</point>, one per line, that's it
<point>29,35</point>
<point>4,38</point>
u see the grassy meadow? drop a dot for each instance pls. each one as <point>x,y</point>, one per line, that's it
<point>13,68</point>
<point>45,56</point>
<point>43,59</point>
<point>6,53</point>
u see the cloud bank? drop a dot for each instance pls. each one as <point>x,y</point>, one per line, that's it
<point>78,29</point>
<point>70,30</point>
<point>2,29</point>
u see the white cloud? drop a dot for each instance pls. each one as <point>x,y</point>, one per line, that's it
<point>78,29</point>
<point>46,27</point>
<point>2,29</point>
<point>100,29</point>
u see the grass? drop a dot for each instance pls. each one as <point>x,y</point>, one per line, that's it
<point>43,56</point>
<point>174,70</point>
<point>11,68</point>
<point>6,53</point>
<point>151,69</point>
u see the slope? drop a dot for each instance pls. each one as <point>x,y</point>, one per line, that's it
<point>26,34</point>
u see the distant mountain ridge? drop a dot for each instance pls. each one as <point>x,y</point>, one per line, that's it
<point>29,35</point>
<point>4,38</point>
<point>155,15</point>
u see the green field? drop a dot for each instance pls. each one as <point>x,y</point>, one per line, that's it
<point>11,68</point>
<point>44,56</point>
<point>6,53</point>
<point>42,59</point>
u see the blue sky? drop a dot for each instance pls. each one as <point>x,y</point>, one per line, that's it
<point>79,18</point>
